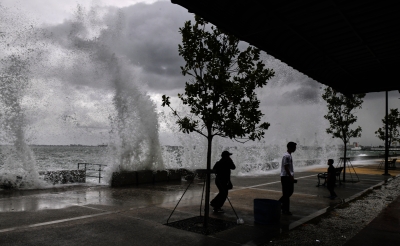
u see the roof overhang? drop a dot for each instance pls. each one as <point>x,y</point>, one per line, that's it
<point>351,46</point>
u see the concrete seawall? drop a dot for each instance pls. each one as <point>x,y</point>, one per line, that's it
<point>143,177</point>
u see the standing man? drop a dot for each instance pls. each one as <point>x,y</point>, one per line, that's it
<point>287,178</point>
<point>222,169</point>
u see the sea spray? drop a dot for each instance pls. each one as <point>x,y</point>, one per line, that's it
<point>18,167</point>
<point>292,104</point>
<point>133,142</point>
<point>192,147</point>
<point>78,57</point>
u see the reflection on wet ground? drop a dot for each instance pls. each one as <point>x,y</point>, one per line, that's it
<point>150,205</point>
<point>33,204</point>
<point>144,195</point>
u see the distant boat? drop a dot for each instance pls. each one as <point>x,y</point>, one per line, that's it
<point>356,148</point>
<point>102,145</point>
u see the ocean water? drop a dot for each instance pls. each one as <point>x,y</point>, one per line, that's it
<point>368,154</point>
<point>59,157</point>
<point>50,158</point>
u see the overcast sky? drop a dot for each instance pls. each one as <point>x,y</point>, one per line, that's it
<point>70,100</point>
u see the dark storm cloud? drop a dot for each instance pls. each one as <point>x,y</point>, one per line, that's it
<point>145,34</point>
<point>150,38</point>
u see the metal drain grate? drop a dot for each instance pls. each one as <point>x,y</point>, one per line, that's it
<point>195,224</point>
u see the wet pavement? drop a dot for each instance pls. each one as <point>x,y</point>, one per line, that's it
<point>384,229</point>
<point>100,215</point>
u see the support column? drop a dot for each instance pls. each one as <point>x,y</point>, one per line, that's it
<point>386,138</point>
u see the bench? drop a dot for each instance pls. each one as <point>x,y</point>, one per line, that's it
<point>324,176</point>
<point>391,163</point>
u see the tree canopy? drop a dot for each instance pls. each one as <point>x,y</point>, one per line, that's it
<point>393,125</point>
<point>221,91</point>
<point>340,114</point>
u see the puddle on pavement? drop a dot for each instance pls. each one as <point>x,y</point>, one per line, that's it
<point>51,200</point>
<point>30,205</point>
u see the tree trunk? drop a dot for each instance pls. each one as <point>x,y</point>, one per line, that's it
<point>207,199</point>
<point>344,162</point>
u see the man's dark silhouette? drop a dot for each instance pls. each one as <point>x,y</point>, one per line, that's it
<point>222,169</point>
<point>287,178</point>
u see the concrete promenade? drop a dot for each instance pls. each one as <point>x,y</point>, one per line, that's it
<point>99,215</point>
<point>383,230</point>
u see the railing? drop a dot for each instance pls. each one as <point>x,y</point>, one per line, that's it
<point>92,167</point>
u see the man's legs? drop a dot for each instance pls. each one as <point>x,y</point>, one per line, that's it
<point>219,200</point>
<point>287,191</point>
<point>331,187</point>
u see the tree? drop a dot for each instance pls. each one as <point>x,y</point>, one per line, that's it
<point>340,116</point>
<point>221,90</point>
<point>393,123</point>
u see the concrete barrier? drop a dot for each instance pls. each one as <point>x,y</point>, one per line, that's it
<point>123,179</point>
<point>160,176</point>
<point>174,174</point>
<point>144,177</point>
